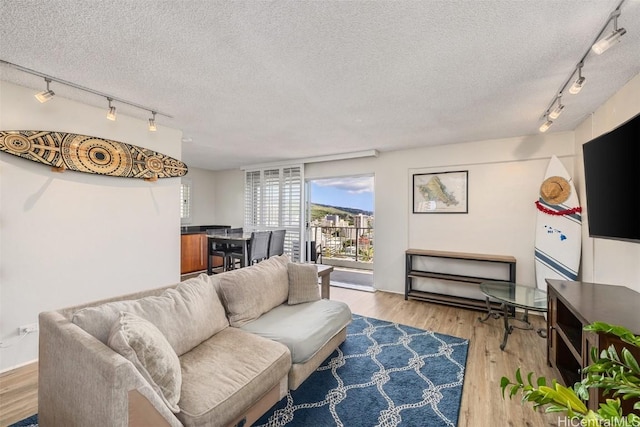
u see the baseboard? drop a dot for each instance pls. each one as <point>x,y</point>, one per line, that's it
<point>353,286</point>
<point>19,366</point>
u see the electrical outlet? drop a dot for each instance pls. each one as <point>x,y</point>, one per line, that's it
<point>27,329</point>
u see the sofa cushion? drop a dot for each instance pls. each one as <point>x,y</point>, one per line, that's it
<point>303,283</point>
<point>303,328</point>
<point>227,374</point>
<point>140,342</point>
<point>186,315</point>
<point>249,292</point>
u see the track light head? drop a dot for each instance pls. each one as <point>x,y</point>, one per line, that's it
<point>545,126</point>
<point>45,95</point>
<point>152,122</point>
<point>111,114</point>
<point>577,85</point>
<point>603,44</point>
<point>555,113</point>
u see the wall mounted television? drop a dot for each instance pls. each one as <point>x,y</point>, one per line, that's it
<point>612,183</point>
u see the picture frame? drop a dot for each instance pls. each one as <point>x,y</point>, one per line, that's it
<point>441,192</point>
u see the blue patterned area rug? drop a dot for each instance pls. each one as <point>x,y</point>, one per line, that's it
<point>32,421</point>
<point>384,374</point>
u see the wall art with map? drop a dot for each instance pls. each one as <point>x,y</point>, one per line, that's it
<point>442,192</point>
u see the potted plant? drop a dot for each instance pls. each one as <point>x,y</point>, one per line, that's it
<point>617,375</point>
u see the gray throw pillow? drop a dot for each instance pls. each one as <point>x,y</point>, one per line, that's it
<point>140,342</point>
<point>186,315</point>
<point>249,292</point>
<point>303,283</point>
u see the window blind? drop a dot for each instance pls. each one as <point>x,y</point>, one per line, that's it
<point>273,200</point>
<point>185,201</point>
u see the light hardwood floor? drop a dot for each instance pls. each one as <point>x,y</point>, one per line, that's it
<point>18,394</point>
<point>482,403</point>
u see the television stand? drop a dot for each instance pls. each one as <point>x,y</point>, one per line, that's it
<point>572,306</point>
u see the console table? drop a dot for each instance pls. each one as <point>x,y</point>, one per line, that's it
<point>572,306</point>
<point>467,270</point>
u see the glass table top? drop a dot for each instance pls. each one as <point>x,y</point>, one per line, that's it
<point>521,296</point>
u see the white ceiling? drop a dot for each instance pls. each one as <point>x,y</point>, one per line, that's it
<point>261,81</point>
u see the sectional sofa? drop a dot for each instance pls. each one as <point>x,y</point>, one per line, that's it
<point>210,351</point>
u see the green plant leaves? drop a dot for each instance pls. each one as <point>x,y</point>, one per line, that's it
<point>613,373</point>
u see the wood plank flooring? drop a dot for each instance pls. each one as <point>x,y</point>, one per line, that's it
<point>482,403</point>
<point>18,394</point>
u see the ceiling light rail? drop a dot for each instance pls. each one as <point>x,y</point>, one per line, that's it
<point>46,95</point>
<point>598,46</point>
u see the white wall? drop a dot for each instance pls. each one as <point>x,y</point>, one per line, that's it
<point>229,206</point>
<point>203,196</point>
<point>608,261</point>
<point>68,238</point>
<point>505,176</point>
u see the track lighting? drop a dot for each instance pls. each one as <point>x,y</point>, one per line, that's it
<point>45,95</point>
<point>546,125</point>
<point>555,113</point>
<point>577,85</point>
<point>601,46</point>
<point>598,46</point>
<point>152,122</point>
<point>111,114</point>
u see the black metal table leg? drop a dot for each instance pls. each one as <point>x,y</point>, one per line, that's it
<point>490,312</point>
<point>507,328</point>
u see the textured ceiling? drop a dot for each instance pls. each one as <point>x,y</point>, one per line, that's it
<point>254,82</point>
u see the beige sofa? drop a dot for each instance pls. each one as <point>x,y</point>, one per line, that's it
<point>211,351</point>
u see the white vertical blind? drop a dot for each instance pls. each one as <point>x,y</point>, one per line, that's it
<point>273,200</point>
<point>271,204</point>
<point>291,209</point>
<point>252,201</point>
<point>185,201</point>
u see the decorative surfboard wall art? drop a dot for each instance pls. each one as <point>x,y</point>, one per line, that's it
<point>558,227</point>
<point>90,154</point>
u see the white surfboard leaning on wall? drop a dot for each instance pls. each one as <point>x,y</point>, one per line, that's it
<point>558,227</point>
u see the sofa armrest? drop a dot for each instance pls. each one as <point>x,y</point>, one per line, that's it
<point>81,381</point>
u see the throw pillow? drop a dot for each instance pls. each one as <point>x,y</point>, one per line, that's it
<point>186,315</point>
<point>303,283</point>
<point>140,342</point>
<point>248,293</point>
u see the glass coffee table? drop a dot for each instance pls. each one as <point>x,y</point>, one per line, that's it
<point>512,296</point>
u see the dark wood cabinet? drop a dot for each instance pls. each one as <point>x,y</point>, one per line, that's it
<point>193,252</point>
<point>572,306</point>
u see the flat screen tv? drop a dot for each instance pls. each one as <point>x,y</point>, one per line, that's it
<point>612,182</point>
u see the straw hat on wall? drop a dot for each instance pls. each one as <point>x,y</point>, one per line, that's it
<point>555,190</point>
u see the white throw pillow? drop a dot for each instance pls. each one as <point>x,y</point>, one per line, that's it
<point>140,342</point>
<point>303,283</point>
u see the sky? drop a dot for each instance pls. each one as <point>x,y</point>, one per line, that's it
<point>349,192</point>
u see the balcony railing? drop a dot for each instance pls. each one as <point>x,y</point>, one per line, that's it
<point>353,243</point>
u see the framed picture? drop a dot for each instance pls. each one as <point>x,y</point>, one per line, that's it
<point>442,192</point>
